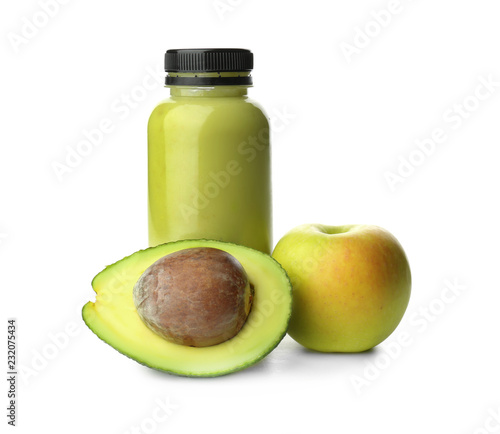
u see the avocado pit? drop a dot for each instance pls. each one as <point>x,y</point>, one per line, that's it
<point>197,297</point>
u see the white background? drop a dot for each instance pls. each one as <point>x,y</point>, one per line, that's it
<point>351,118</point>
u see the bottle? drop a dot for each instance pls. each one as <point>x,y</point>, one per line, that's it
<point>209,173</point>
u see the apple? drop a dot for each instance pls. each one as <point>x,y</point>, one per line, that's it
<point>351,285</point>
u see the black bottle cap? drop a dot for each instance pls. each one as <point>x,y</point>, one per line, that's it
<point>208,60</point>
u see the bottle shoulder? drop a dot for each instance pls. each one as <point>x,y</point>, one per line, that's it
<point>196,106</point>
<point>257,106</point>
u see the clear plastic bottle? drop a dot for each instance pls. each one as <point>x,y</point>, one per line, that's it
<point>209,171</point>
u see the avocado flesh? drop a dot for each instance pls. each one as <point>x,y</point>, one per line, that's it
<point>114,319</point>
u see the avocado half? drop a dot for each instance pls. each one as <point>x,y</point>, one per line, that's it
<point>114,318</point>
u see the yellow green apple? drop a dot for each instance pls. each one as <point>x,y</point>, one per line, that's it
<point>351,285</point>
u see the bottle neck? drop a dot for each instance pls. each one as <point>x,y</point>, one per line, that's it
<point>213,89</point>
<point>206,91</point>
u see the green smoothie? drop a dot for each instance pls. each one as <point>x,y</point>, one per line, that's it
<point>209,156</point>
